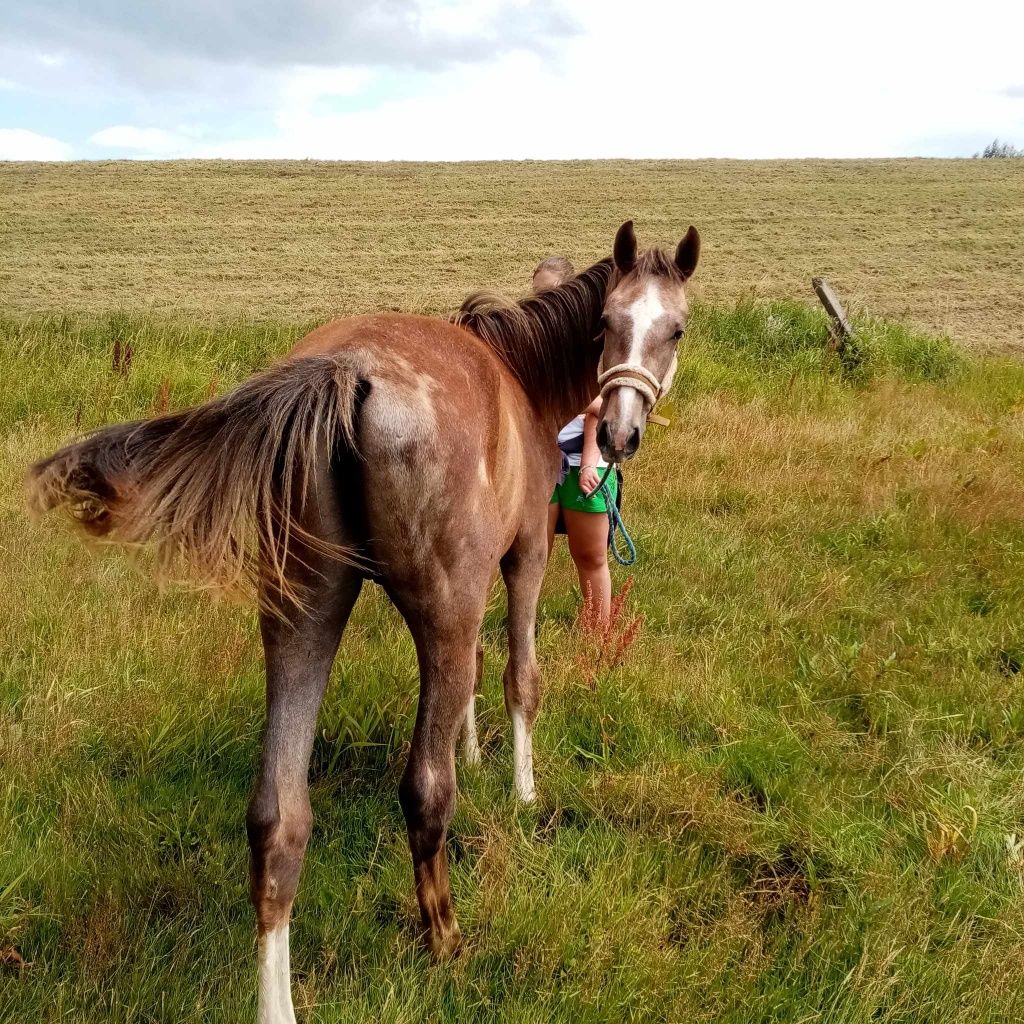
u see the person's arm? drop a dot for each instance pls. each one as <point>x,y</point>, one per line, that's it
<point>589,476</point>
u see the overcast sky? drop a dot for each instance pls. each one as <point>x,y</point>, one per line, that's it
<point>489,79</point>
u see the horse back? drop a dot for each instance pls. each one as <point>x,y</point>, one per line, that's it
<point>453,456</point>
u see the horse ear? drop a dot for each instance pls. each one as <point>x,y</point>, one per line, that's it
<point>624,250</point>
<point>688,252</point>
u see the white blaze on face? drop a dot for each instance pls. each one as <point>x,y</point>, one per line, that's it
<point>275,992</point>
<point>643,312</point>
<point>522,754</point>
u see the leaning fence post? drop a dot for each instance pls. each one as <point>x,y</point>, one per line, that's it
<point>840,328</point>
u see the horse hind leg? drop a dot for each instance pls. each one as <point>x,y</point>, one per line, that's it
<point>299,655</point>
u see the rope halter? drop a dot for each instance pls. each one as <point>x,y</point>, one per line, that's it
<point>631,375</point>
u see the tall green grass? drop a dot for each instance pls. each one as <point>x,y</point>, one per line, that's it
<point>785,335</point>
<point>793,801</point>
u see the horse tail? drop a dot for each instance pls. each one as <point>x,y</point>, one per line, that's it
<point>220,487</point>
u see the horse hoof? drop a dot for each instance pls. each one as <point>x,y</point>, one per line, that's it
<point>444,942</point>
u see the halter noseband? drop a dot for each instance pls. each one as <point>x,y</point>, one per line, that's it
<point>631,375</point>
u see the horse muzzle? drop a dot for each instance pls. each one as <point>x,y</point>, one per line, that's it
<point>630,392</point>
<point>623,420</point>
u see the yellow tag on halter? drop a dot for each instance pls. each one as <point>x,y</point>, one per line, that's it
<point>660,420</point>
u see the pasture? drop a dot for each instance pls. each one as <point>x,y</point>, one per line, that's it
<point>798,796</point>
<point>936,243</point>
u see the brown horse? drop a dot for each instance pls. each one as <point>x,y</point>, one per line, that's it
<point>413,451</point>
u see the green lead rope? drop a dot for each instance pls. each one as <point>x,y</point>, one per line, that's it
<point>615,523</point>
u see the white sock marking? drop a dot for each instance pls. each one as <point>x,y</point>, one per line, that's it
<point>275,991</point>
<point>522,753</point>
<point>470,741</point>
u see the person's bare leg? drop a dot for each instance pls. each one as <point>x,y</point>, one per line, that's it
<point>588,545</point>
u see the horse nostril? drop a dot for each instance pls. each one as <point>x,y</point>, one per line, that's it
<point>634,441</point>
<point>602,434</point>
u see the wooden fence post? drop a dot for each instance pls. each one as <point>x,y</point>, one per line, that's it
<point>840,328</point>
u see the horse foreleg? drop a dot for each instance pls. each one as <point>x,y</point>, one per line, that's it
<point>523,570</point>
<point>470,740</point>
<point>299,656</point>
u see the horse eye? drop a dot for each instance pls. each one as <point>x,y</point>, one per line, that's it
<point>677,335</point>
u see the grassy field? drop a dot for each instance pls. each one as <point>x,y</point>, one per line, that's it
<point>936,243</point>
<point>799,797</point>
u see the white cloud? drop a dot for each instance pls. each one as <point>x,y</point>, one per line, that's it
<point>147,142</point>
<point>308,84</point>
<point>21,144</point>
<point>163,45</point>
<point>744,79</point>
<point>668,81</point>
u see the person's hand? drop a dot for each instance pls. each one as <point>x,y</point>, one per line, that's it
<point>589,479</point>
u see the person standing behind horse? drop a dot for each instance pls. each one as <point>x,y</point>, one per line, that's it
<point>585,518</point>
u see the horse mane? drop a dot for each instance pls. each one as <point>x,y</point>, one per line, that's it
<point>545,339</point>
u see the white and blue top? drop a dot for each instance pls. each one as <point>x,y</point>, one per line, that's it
<point>570,440</point>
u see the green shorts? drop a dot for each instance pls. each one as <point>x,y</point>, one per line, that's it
<point>569,495</point>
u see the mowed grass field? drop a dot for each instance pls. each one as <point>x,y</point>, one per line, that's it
<point>799,797</point>
<point>936,243</point>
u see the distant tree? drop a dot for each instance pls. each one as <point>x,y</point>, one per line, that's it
<point>997,150</point>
